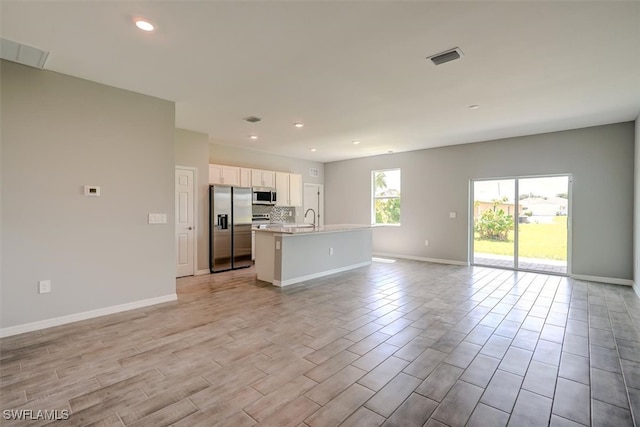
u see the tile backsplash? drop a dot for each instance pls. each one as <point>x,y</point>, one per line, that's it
<point>278,213</point>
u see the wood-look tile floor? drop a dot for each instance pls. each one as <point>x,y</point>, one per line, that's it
<point>404,344</point>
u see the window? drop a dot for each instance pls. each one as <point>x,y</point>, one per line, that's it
<point>386,197</point>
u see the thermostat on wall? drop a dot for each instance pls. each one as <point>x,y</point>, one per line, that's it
<point>91,190</point>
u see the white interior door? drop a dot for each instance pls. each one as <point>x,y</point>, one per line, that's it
<point>314,199</point>
<point>185,222</point>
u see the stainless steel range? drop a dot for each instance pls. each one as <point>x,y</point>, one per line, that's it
<point>260,218</point>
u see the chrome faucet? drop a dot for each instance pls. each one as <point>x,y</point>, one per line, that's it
<point>314,216</point>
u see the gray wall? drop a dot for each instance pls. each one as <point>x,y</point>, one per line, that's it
<point>192,149</point>
<point>636,204</point>
<point>60,133</point>
<point>436,181</point>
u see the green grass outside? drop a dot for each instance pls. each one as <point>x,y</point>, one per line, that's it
<point>542,241</point>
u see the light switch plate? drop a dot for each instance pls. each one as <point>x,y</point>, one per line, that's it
<point>44,286</point>
<point>453,215</point>
<point>157,218</point>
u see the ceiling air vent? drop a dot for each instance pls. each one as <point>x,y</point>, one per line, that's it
<point>447,56</point>
<point>22,54</point>
<point>252,119</point>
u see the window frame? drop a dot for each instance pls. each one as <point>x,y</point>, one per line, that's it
<point>374,198</point>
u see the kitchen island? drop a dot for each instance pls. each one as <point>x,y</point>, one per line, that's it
<point>291,254</point>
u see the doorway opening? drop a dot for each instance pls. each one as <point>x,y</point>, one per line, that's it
<point>522,223</point>
<point>313,198</point>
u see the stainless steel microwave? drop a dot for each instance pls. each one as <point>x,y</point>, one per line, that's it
<point>264,196</point>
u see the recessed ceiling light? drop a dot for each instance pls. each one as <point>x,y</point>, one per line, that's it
<point>313,150</point>
<point>298,125</point>
<point>253,137</point>
<point>474,107</point>
<point>144,25</point>
<point>356,142</point>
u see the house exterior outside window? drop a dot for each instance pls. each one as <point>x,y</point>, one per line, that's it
<point>385,206</point>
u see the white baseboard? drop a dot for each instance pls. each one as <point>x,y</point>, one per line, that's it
<point>203,272</point>
<point>288,282</point>
<point>57,321</point>
<point>636,288</point>
<point>418,258</point>
<point>611,280</point>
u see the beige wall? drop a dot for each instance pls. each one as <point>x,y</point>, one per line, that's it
<point>60,133</point>
<point>436,181</point>
<point>192,150</point>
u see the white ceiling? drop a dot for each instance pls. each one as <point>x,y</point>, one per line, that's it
<point>352,70</point>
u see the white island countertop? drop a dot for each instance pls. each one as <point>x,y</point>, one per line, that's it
<point>298,229</point>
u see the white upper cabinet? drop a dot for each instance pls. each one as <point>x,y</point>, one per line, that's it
<point>256,178</point>
<point>288,186</point>
<point>288,189</point>
<point>262,178</point>
<point>230,175</point>
<point>227,175</point>
<point>215,174</point>
<point>245,177</point>
<point>295,189</point>
<point>282,189</point>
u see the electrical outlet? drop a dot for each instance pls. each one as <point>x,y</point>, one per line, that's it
<point>330,251</point>
<point>426,243</point>
<point>44,286</point>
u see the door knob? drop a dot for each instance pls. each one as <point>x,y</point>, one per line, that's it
<point>189,228</point>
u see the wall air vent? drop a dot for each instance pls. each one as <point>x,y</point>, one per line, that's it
<point>22,54</point>
<point>252,119</point>
<point>313,172</point>
<point>446,56</point>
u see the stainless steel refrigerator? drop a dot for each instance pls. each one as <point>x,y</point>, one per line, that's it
<point>229,227</point>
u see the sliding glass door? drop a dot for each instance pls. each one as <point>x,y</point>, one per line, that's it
<point>493,226</point>
<point>543,226</point>
<point>521,223</point>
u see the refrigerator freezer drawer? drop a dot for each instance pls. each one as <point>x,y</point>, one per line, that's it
<point>242,246</point>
